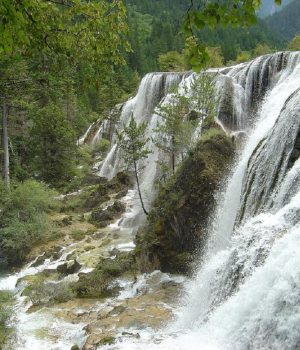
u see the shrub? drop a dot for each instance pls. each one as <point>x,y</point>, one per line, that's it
<point>102,146</point>
<point>24,220</point>
<point>210,133</point>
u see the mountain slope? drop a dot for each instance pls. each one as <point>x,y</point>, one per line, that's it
<point>286,23</point>
<point>268,7</point>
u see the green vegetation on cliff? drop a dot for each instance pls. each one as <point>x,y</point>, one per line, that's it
<point>177,223</point>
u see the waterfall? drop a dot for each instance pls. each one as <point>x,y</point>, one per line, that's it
<point>245,294</point>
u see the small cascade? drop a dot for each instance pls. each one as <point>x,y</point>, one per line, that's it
<point>27,325</point>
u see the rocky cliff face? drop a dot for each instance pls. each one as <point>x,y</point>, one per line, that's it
<point>177,223</point>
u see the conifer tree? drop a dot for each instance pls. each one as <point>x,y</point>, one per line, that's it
<point>133,146</point>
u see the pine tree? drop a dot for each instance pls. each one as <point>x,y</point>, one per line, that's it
<point>133,146</point>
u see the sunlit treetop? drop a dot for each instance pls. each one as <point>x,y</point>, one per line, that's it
<point>74,29</point>
<point>202,13</point>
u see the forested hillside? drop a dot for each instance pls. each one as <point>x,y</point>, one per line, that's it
<point>286,24</point>
<point>155,28</point>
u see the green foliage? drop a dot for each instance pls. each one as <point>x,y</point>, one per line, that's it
<point>133,143</point>
<point>216,58</point>
<point>243,56</point>
<point>210,134</point>
<point>204,99</point>
<point>294,44</point>
<point>181,115</point>
<point>133,147</point>
<point>172,61</point>
<point>169,132</point>
<point>153,30</point>
<point>235,13</point>
<point>101,146</point>
<point>71,30</point>
<point>62,54</point>
<point>54,143</point>
<point>23,220</point>
<point>262,49</point>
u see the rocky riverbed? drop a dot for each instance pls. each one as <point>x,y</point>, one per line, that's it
<point>83,289</point>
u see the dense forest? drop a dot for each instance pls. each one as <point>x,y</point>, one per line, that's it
<point>155,29</point>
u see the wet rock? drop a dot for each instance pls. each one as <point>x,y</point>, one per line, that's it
<point>123,178</point>
<point>121,194</point>
<point>103,217</point>
<point>169,284</point>
<point>75,347</point>
<point>52,253</point>
<point>117,208</point>
<point>131,335</point>
<point>39,261</point>
<point>69,267</point>
<point>114,252</point>
<point>117,310</point>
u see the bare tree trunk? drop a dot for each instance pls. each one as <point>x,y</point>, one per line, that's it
<point>139,190</point>
<point>173,156</point>
<point>5,146</point>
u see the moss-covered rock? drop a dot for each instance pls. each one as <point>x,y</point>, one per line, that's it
<point>42,290</point>
<point>102,218</point>
<point>118,185</point>
<point>98,283</point>
<point>177,223</point>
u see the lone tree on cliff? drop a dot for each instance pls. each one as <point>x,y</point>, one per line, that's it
<point>133,146</point>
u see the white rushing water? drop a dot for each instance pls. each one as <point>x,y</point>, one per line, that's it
<point>246,292</point>
<point>41,329</point>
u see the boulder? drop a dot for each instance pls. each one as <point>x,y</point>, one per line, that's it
<point>75,347</point>
<point>69,267</point>
<point>102,218</point>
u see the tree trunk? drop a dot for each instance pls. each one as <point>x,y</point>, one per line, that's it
<point>139,190</point>
<point>173,155</point>
<point>5,147</point>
